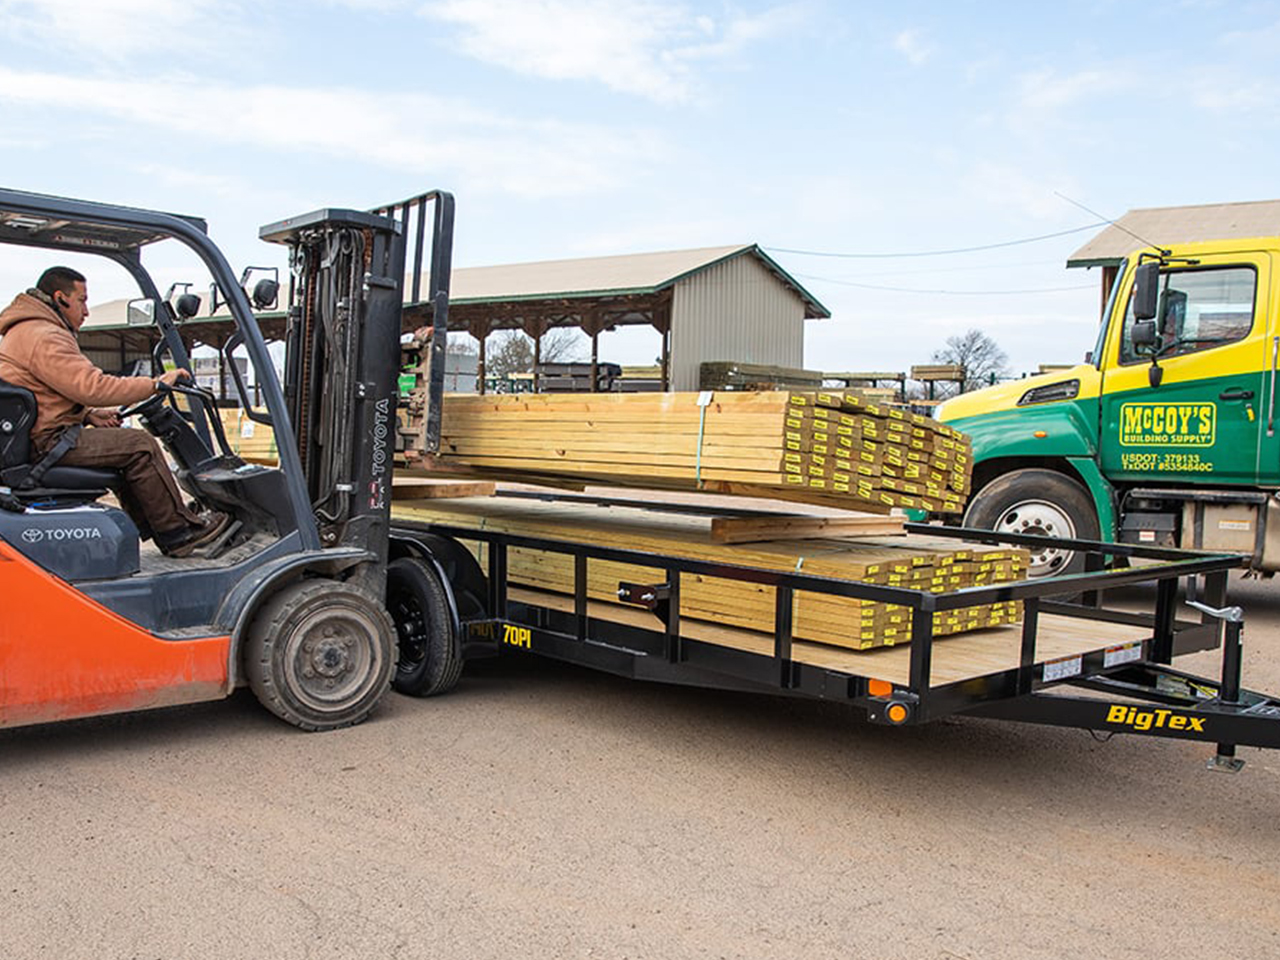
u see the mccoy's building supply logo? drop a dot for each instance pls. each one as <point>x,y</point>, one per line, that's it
<point>1168,424</point>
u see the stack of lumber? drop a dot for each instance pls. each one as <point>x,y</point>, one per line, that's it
<point>826,448</point>
<point>922,563</point>
<point>247,438</point>
<point>732,375</point>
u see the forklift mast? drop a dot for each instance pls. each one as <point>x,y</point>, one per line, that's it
<point>342,354</point>
<point>342,351</point>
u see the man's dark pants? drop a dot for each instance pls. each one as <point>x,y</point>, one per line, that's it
<point>150,495</point>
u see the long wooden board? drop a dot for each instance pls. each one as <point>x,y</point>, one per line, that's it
<point>429,488</point>
<point>755,529</point>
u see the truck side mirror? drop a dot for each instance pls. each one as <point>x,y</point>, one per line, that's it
<point>1146,290</point>
<point>1143,333</point>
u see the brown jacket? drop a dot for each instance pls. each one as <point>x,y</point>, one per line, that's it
<point>39,351</point>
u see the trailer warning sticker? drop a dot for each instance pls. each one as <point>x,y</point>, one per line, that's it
<point>1168,424</point>
<point>1061,669</point>
<point>1125,653</point>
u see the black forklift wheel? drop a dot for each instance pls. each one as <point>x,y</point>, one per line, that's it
<point>429,661</point>
<point>320,654</point>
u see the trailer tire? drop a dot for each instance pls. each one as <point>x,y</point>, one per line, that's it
<point>429,662</point>
<point>1042,502</point>
<point>320,654</point>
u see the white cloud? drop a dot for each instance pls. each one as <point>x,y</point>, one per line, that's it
<point>411,132</point>
<point>914,47</point>
<point>116,29</point>
<point>642,47</point>
<point>1046,91</point>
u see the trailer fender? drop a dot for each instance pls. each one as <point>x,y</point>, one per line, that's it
<point>461,574</point>
<point>423,552</point>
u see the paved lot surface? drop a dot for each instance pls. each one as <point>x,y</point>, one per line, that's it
<point>545,811</point>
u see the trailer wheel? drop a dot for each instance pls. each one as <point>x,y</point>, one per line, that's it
<point>429,662</point>
<point>1040,502</point>
<point>320,654</point>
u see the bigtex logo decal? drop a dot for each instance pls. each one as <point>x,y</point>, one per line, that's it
<point>1168,424</point>
<point>1143,720</point>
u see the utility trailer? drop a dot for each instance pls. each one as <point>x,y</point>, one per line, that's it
<point>1066,664</point>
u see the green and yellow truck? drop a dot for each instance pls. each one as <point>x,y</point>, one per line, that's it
<point>1166,435</point>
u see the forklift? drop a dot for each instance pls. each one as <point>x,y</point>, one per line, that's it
<point>305,599</point>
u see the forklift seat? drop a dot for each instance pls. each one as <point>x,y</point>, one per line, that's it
<point>63,484</point>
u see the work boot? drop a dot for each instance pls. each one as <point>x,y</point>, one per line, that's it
<point>183,543</point>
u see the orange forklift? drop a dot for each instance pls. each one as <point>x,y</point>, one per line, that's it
<point>305,599</point>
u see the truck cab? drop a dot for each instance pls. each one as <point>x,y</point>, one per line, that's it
<point>1165,436</point>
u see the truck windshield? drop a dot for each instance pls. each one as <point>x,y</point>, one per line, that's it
<point>1106,315</point>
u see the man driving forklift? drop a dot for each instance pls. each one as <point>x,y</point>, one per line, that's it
<point>39,350</point>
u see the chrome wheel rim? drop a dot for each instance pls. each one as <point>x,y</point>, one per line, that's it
<point>1043,519</point>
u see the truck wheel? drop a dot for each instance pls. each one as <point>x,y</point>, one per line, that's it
<point>419,607</point>
<point>1043,503</point>
<point>320,654</point>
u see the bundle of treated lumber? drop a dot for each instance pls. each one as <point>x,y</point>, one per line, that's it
<point>732,375</point>
<point>247,438</point>
<point>922,563</point>
<point>829,448</point>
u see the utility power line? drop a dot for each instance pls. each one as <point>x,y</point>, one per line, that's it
<point>938,253</point>
<point>949,293</point>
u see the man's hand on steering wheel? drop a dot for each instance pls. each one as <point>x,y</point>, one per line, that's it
<point>164,384</point>
<point>170,378</point>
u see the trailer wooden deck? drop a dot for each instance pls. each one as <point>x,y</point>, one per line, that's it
<point>966,656</point>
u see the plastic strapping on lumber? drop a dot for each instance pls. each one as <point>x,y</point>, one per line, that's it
<point>704,401</point>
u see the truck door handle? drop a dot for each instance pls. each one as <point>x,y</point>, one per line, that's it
<point>1236,395</point>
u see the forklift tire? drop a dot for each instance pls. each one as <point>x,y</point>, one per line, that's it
<point>1040,502</point>
<point>429,661</point>
<point>320,654</point>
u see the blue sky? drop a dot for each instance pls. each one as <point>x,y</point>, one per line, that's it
<point>577,128</point>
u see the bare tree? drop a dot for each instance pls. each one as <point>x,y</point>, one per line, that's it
<point>511,351</point>
<point>981,358</point>
<point>564,345</point>
<point>508,352</point>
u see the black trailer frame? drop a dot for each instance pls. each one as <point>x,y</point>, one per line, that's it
<point>1134,687</point>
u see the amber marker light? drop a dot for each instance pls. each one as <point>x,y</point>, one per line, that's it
<point>879,688</point>
<point>1040,434</point>
<point>896,713</point>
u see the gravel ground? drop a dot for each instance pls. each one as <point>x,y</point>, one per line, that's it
<point>546,811</point>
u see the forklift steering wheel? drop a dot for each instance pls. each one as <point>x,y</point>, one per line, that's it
<point>147,406</point>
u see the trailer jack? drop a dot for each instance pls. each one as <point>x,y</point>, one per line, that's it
<point>1225,760</point>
